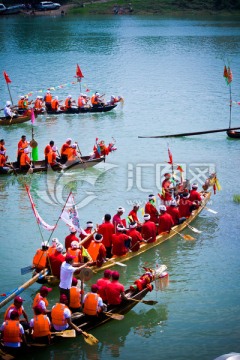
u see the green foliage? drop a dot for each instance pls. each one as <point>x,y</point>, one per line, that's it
<point>236,198</point>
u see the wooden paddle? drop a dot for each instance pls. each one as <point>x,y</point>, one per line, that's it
<point>117,263</point>
<point>6,356</point>
<point>210,210</point>
<point>185,237</point>
<point>147,302</point>
<point>89,338</point>
<point>114,315</point>
<point>66,333</point>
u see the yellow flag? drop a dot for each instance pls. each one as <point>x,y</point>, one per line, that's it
<point>218,185</point>
<point>142,211</point>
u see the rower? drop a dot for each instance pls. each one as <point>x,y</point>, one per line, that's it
<point>66,150</point>
<point>106,229</point>
<point>47,149</point>
<point>52,248</point>
<point>26,103</point>
<point>40,257</point>
<point>38,104</point>
<point>52,158</point>
<point>12,333</point>
<point>165,220</point>
<point>40,326</point>
<point>117,217</point>
<point>74,251</point>
<point>41,299</point>
<point>149,229</point>
<point>71,237</point>
<point>8,113</point>
<point>150,208</point>
<point>86,232</point>
<point>135,235</point>
<point>17,306</point>
<point>102,284</point>
<point>55,103</point>
<point>114,100</point>
<point>115,291</point>
<point>75,297</point>
<point>133,215</point>
<point>25,161</point>
<point>22,144</point>
<point>97,250</point>
<point>61,315</point>
<point>195,196</point>
<point>120,241</point>
<point>93,303</point>
<point>4,169</point>
<point>185,205</point>
<point>55,261</point>
<point>173,210</point>
<point>48,99</point>
<point>69,102</point>
<point>167,187</point>
<point>20,105</point>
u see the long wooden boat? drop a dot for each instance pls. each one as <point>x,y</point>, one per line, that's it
<point>115,260</point>
<point>76,110</point>
<point>233,134</point>
<point>15,120</point>
<point>135,293</point>
<point>39,166</point>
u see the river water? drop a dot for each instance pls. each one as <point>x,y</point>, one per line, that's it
<point>170,74</point>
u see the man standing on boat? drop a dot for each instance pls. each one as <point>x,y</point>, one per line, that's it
<point>106,229</point>
<point>85,233</point>
<point>117,218</point>
<point>149,229</point>
<point>150,208</point>
<point>71,237</point>
<point>22,144</point>
<point>48,99</point>
<point>167,188</point>
<point>55,261</point>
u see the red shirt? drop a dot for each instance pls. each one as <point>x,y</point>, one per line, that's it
<point>69,239</point>
<point>117,221</point>
<point>165,185</point>
<point>118,245</point>
<point>136,239</point>
<point>174,212</point>
<point>56,261</point>
<point>134,216</point>
<point>102,284</point>
<point>165,223</point>
<point>113,292</point>
<point>149,230</point>
<point>184,207</point>
<point>152,211</point>
<point>82,237</point>
<point>195,196</point>
<point>106,230</point>
<point>47,149</point>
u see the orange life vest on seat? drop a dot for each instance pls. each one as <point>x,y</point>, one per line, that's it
<point>11,331</point>
<point>40,259</point>
<point>58,315</point>
<point>90,304</point>
<point>41,326</point>
<point>74,297</point>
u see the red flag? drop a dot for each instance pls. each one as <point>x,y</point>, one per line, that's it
<point>78,72</point>
<point>170,157</point>
<point>6,77</point>
<point>225,72</point>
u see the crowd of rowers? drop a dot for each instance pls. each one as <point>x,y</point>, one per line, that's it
<point>52,103</point>
<point>114,238</point>
<point>69,152</point>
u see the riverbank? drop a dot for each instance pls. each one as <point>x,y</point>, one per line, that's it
<point>139,7</point>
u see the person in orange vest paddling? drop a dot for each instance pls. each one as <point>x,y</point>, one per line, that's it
<point>17,306</point>
<point>75,297</point>
<point>12,333</point>
<point>93,303</point>
<point>22,144</point>
<point>97,250</point>
<point>48,99</point>
<point>41,299</point>
<point>40,326</point>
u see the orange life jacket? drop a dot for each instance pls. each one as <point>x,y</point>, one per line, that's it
<point>93,249</point>
<point>38,298</point>
<point>81,101</point>
<point>74,297</point>
<point>94,100</point>
<point>54,104</point>
<point>40,259</point>
<point>66,150</point>
<point>51,249</point>
<point>2,160</point>
<point>58,315</point>
<point>38,104</point>
<point>91,304</point>
<point>20,104</point>
<point>24,159</point>
<point>11,331</point>
<point>47,149</point>
<point>48,98</point>
<point>51,156</point>
<point>41,326</point>
<point>75,253</point>
<point>21,146</point>
<point>68,103</point>
<point>19,310</point>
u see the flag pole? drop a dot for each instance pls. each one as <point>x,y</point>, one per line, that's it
<point>59,216</point>
<point>27,189</point>
<point>230,115</point>
<point>10,93</point>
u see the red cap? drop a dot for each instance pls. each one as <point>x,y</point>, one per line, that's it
<point>38,309</point>
<point>108,273</point>
<point>74,281</point>
<point>63,298</point>
<point>45,289</point>
<point>115,275</point>
<point>94,288</point>
<point>69,258</point>
<point>18,299</point>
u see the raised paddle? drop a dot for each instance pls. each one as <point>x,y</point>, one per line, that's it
<point>194,229</point>
<point>89,338</point>
<point>114,315</point>
<point>147,302</point>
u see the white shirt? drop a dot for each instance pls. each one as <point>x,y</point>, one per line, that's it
<point>7,111</point>
<point>66,274</point>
